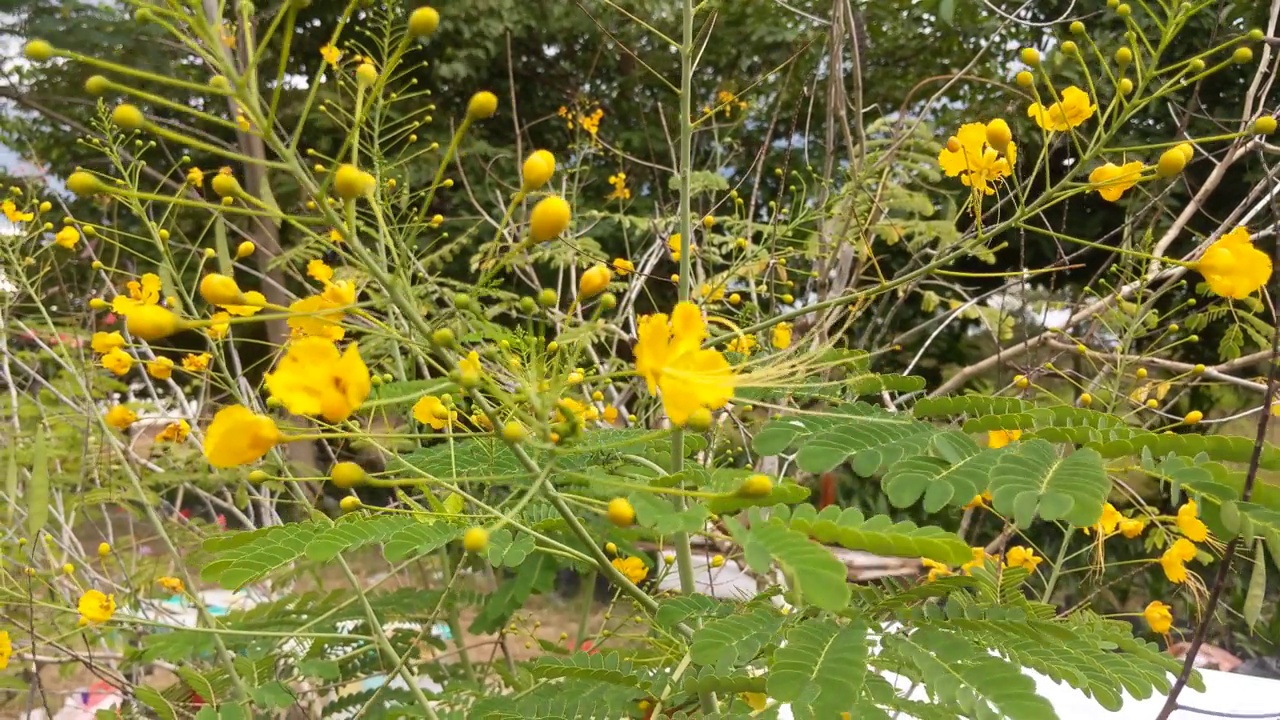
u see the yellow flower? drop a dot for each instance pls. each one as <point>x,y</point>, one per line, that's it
<point>219,325</point>
<point>120,417</point>
<point>310,319</point>
<point>67,237</point>
<point>314,378</point>
<point>711,293</point>
<point>620,189</point>
<point>254,301</point>
<point>1174,559</point>
<point>319,270</point>
<point>96,606</point>
<point>340,293</point>
<point>673,244</point>
<point>1190,524</point>
<point>1075,107</point>
<point>1111,180</point>
<point>6,649</point>
<point>193,363</point>
<point>1001,438</point>
<point>936,569</point>
<point>1110,520</point>
<point>979,500</point>
<point>330,54</point>
<point>633,568</point>
<point>978,164</point>
<point>980,556</point>
<point>1233,267</point>
<point>238,436</point>
<point>144,291</point>
<point>469,368</point>
<point>14,215</point>
<point>430,410</point>
<point>781,336</point>
<point>174,432</point>
<point>610,414</point>
<point>623,267</point>
<point>1158,616</point>
<point>1022,557</point>
<point>670,358</point>
<point>117,361</point>
<point>195,176</point>
<point>743,344</point>
<point>172,584</point>
<point>1132,527</point>
<point>161,368</point>
<point>103,343</point>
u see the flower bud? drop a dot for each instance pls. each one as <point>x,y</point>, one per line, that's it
<point>83,184</point>
<point>350,503</point>
<point>128,117</point>
<point>537,170</point>
<point>219,289</point>
<point>1123,56</point>
<point>1193,417</point>
<point>1025,79</point>
<point>482,105</point>
<point>38,51</point>
<point>1172,162</point>
<point>151,322</point>
<point>1265,125</point>
<point>1031,57</point>
<point>1242,56</point>
<point>999,135</point>
<point>549,218</point>
<point>225,184</point>
<point>366,75</point>
<point>347,474</point>
<point>245,249</point>
<point>423,22</point>
<point>594,281</point>
<point>97,85</point>
<point>349,182</point>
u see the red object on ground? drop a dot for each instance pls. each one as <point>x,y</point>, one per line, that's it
<point>827,490</point>
<point>587,647</point>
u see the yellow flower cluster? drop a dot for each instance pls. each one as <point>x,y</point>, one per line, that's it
<point>670,358</point>
<point>972,157</point>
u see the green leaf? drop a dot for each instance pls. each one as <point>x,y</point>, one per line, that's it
<point>38,486</point>
<point>419,539</point>
<point>504,549</point>
<point>536,575</point>
<point>156,702</point>
<point>879,534</point>
<point>273,696</point>
<point>821,670</point>
<point>824,441</point>
<point>978,684</point>
<point>816,577</point>
<point>947,11</point>
<point>655,511</point>
<point>673,611</point>
<point>939,482</point>
<point>727,642</point>
<point>1033,481</point>
<point>1257,588</point>
<point>610,667</point>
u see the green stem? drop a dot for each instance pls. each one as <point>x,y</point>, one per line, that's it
<point>588,598</point>
<point>1057,567</point>
<point>380,639</point>
<point>684,556</point>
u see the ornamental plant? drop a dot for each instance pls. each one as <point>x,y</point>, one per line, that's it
<point>318,340</point>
